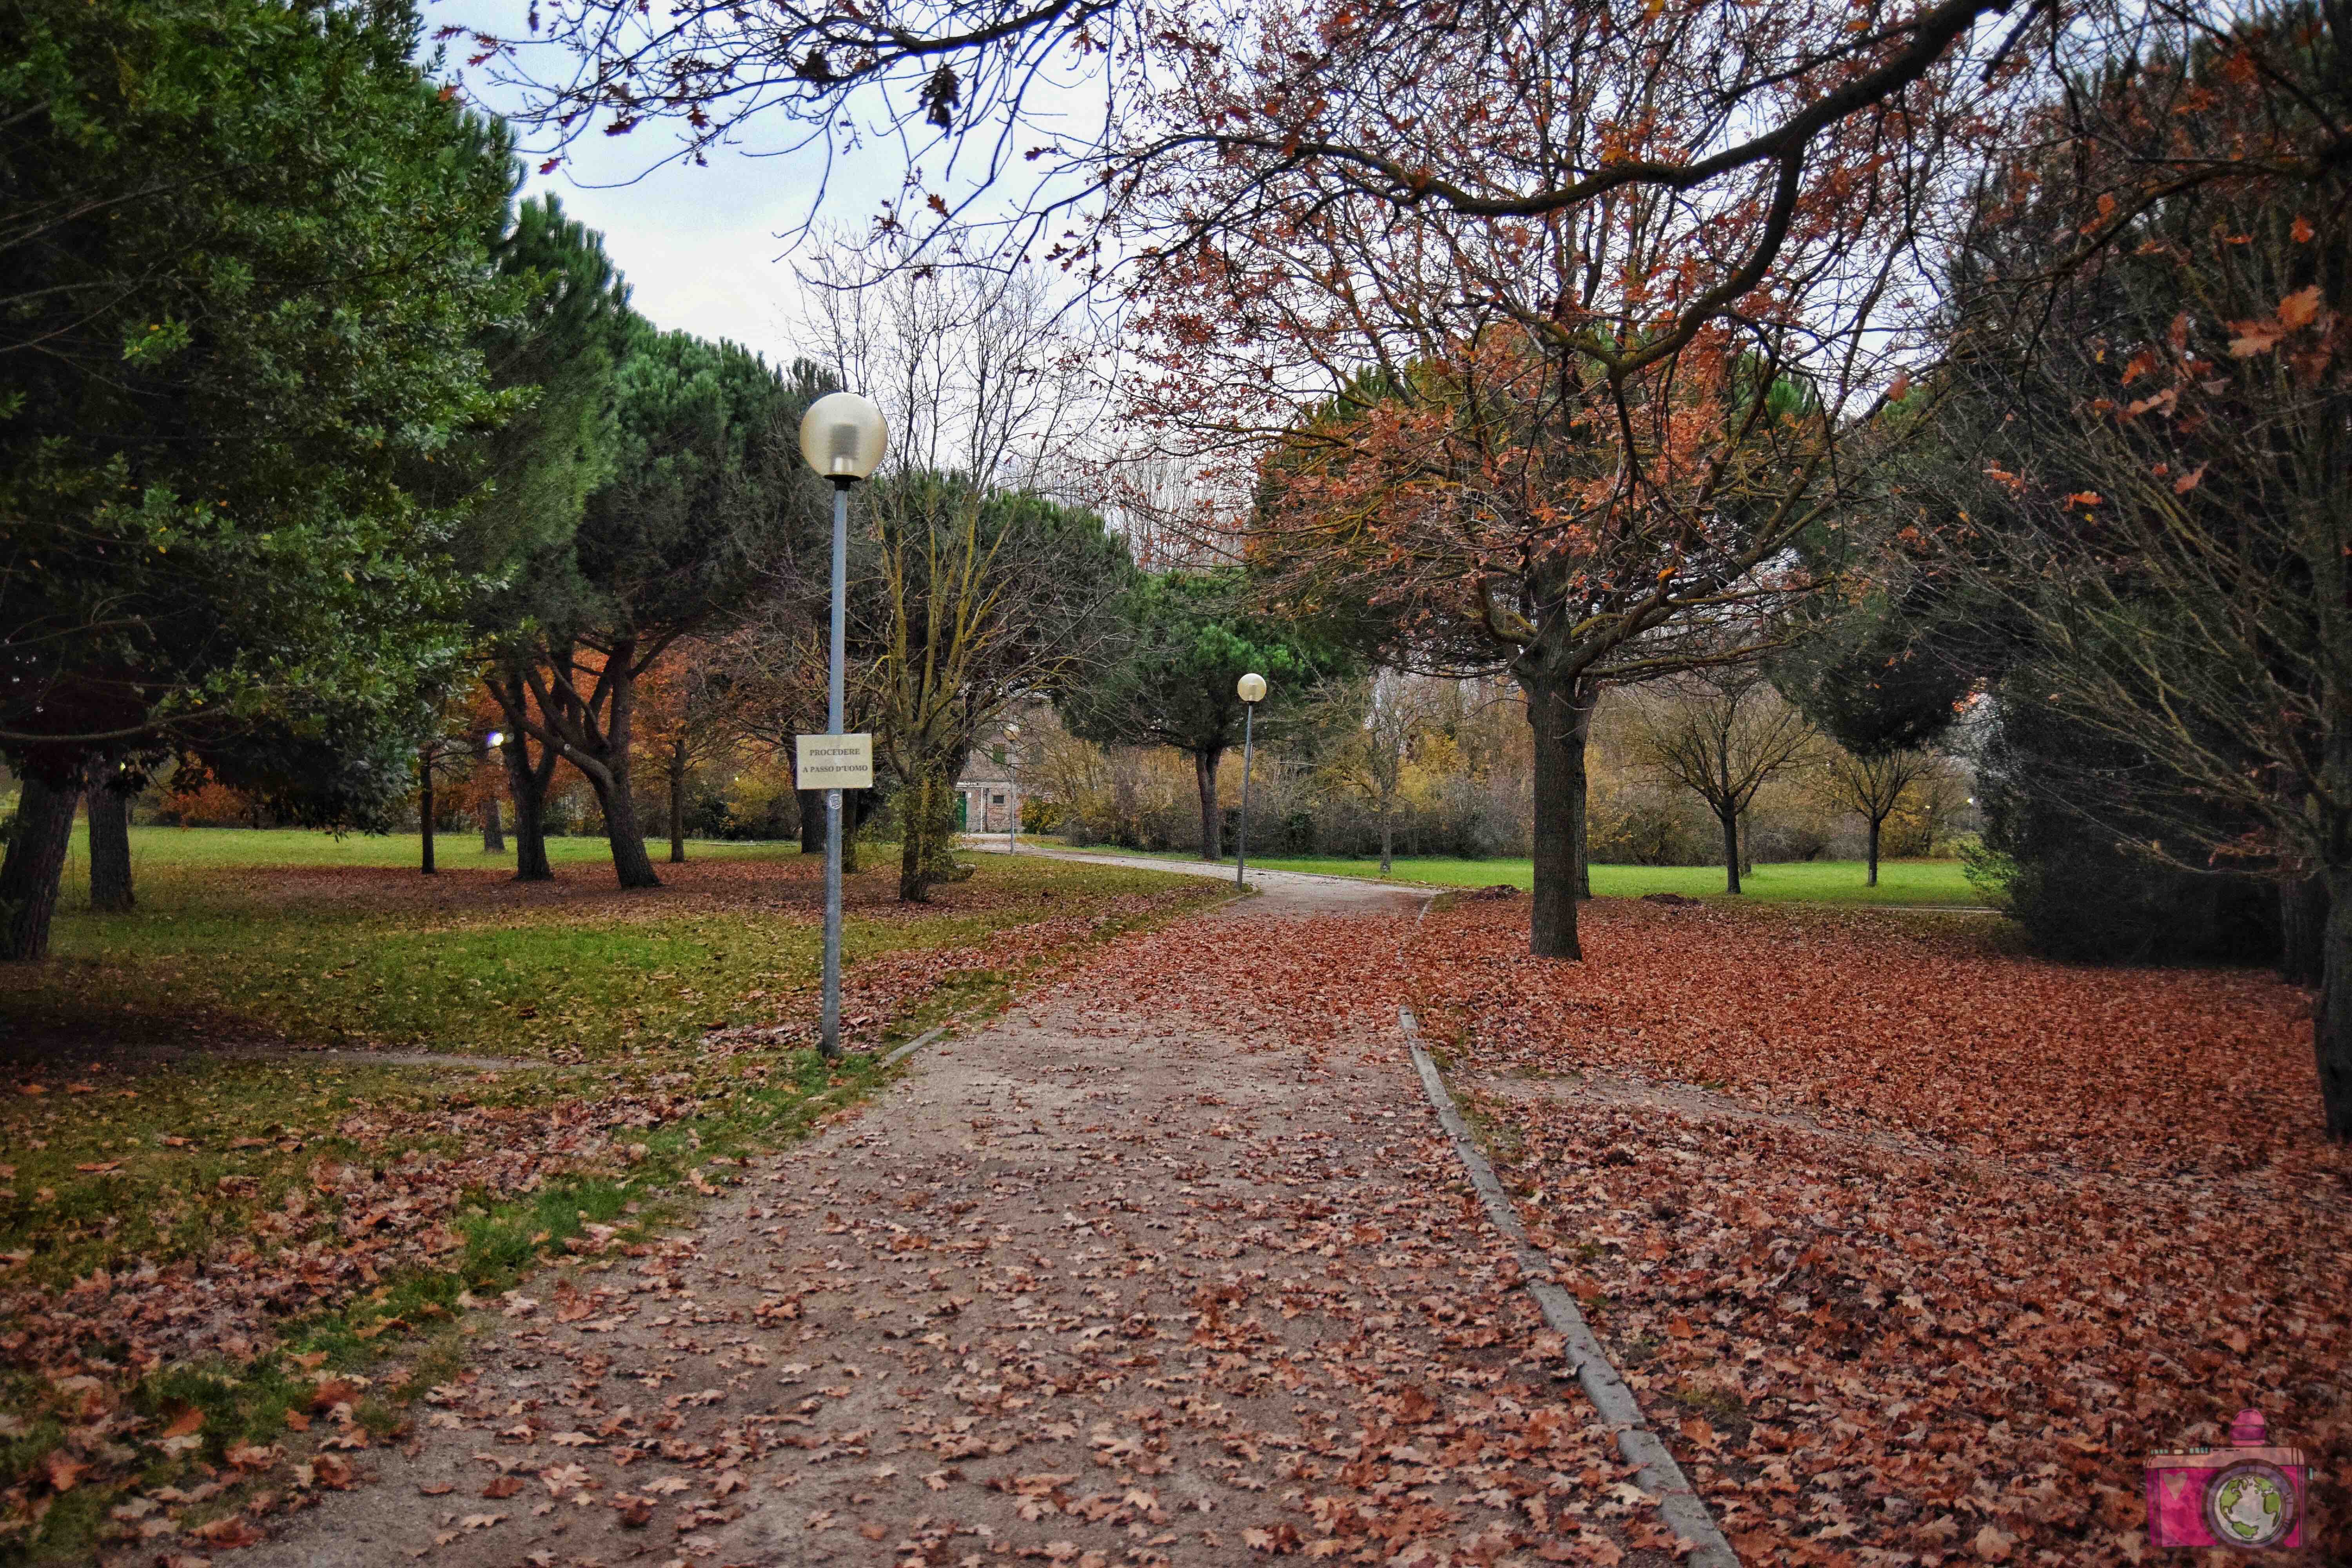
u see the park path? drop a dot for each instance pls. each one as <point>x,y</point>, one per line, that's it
<point>1169,1265</point>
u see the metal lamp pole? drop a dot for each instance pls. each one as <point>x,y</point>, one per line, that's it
<point>829,1031</point>
<point>842,437</point>
<point>1013,774</point>
<point>1251,690</point>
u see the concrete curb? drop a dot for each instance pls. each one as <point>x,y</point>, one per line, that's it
<point>1682,1509</point>
<point>911,1046</point>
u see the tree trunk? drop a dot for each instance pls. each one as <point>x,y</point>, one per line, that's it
<point>526,781</point>
<point>35,862</point>
<point>1873,849</point>
<point>493,832</point>
<point>1204,775</point>
<point>632,867</point>
<point>110,842</point>
<point>2332,1019</point>
<point>1581,830</point>
<point>2303,925</point>
<point>528,785</point>
<point>425,806</point>
<point>811,805</point>
<point>1387,833</point>
<point>1561,719</point>
<point>677,802</point>
<point>1730,820</point>
<point>915,816</point>
<point>927,832</point>
<point>607,771</point>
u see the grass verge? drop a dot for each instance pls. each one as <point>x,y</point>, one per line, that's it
<point>1901,882</point>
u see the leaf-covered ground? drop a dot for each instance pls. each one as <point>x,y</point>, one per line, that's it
<point>1170,1267</point>
<point>202,1210</point>
<point>1911,1247</point>
<point>1916,1246</point>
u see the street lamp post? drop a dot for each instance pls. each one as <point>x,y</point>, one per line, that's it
<point>1251,690</point>
<point>842,437</point>
<point>1012,784</point>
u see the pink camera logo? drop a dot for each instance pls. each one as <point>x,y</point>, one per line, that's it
<point>2249,1495</point>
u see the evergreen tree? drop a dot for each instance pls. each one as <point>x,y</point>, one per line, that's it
<point>707,499</point>
<point>1190,638</point>
<point>243,274</point>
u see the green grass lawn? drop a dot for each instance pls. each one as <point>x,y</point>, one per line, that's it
<point>306,937</point>
<point>167,1116</point>
<point>172,851</point>
<point>1801,881</point>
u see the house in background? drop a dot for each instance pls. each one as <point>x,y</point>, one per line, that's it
<point>990,787</point>
<point>989,800</point>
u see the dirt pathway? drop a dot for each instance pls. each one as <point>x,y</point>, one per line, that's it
<point>1172,1265</point>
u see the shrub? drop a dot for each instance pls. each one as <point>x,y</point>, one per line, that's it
<point>2063,855</point>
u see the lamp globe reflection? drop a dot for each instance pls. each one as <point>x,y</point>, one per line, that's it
<point>1251,688</point>
<point>843,436</point>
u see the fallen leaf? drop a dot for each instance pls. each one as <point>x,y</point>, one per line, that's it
<point>63,1470</point>
<point>2298,309</point>
<point>229,1532</point>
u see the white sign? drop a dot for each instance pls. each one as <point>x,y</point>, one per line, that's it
<point>833,762</point>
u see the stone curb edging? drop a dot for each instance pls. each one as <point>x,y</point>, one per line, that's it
<point>1678,1504</point>
<point>911,1046</point>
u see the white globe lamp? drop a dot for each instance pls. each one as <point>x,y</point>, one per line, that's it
<point>843,436</point>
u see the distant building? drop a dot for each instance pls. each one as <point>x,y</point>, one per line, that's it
<point>989,797</point>
<point>990,788</point>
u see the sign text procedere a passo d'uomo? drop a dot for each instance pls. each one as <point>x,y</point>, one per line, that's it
<point>833,762</point>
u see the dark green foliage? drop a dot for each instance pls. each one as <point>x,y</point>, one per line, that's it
<point>1877,677</point>
<point>708,496</point>
<point>2069,857</point>
<point>557,357</point>
<point>244,253</point>
<point>1191,637</point>
<point>1193,634</point>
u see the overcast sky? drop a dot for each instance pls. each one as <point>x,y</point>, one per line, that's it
<point>708,250</point>
<point>703,248</point>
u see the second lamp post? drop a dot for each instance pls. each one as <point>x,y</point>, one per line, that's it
<point>1251,690</point>
<point>1012,777</point>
